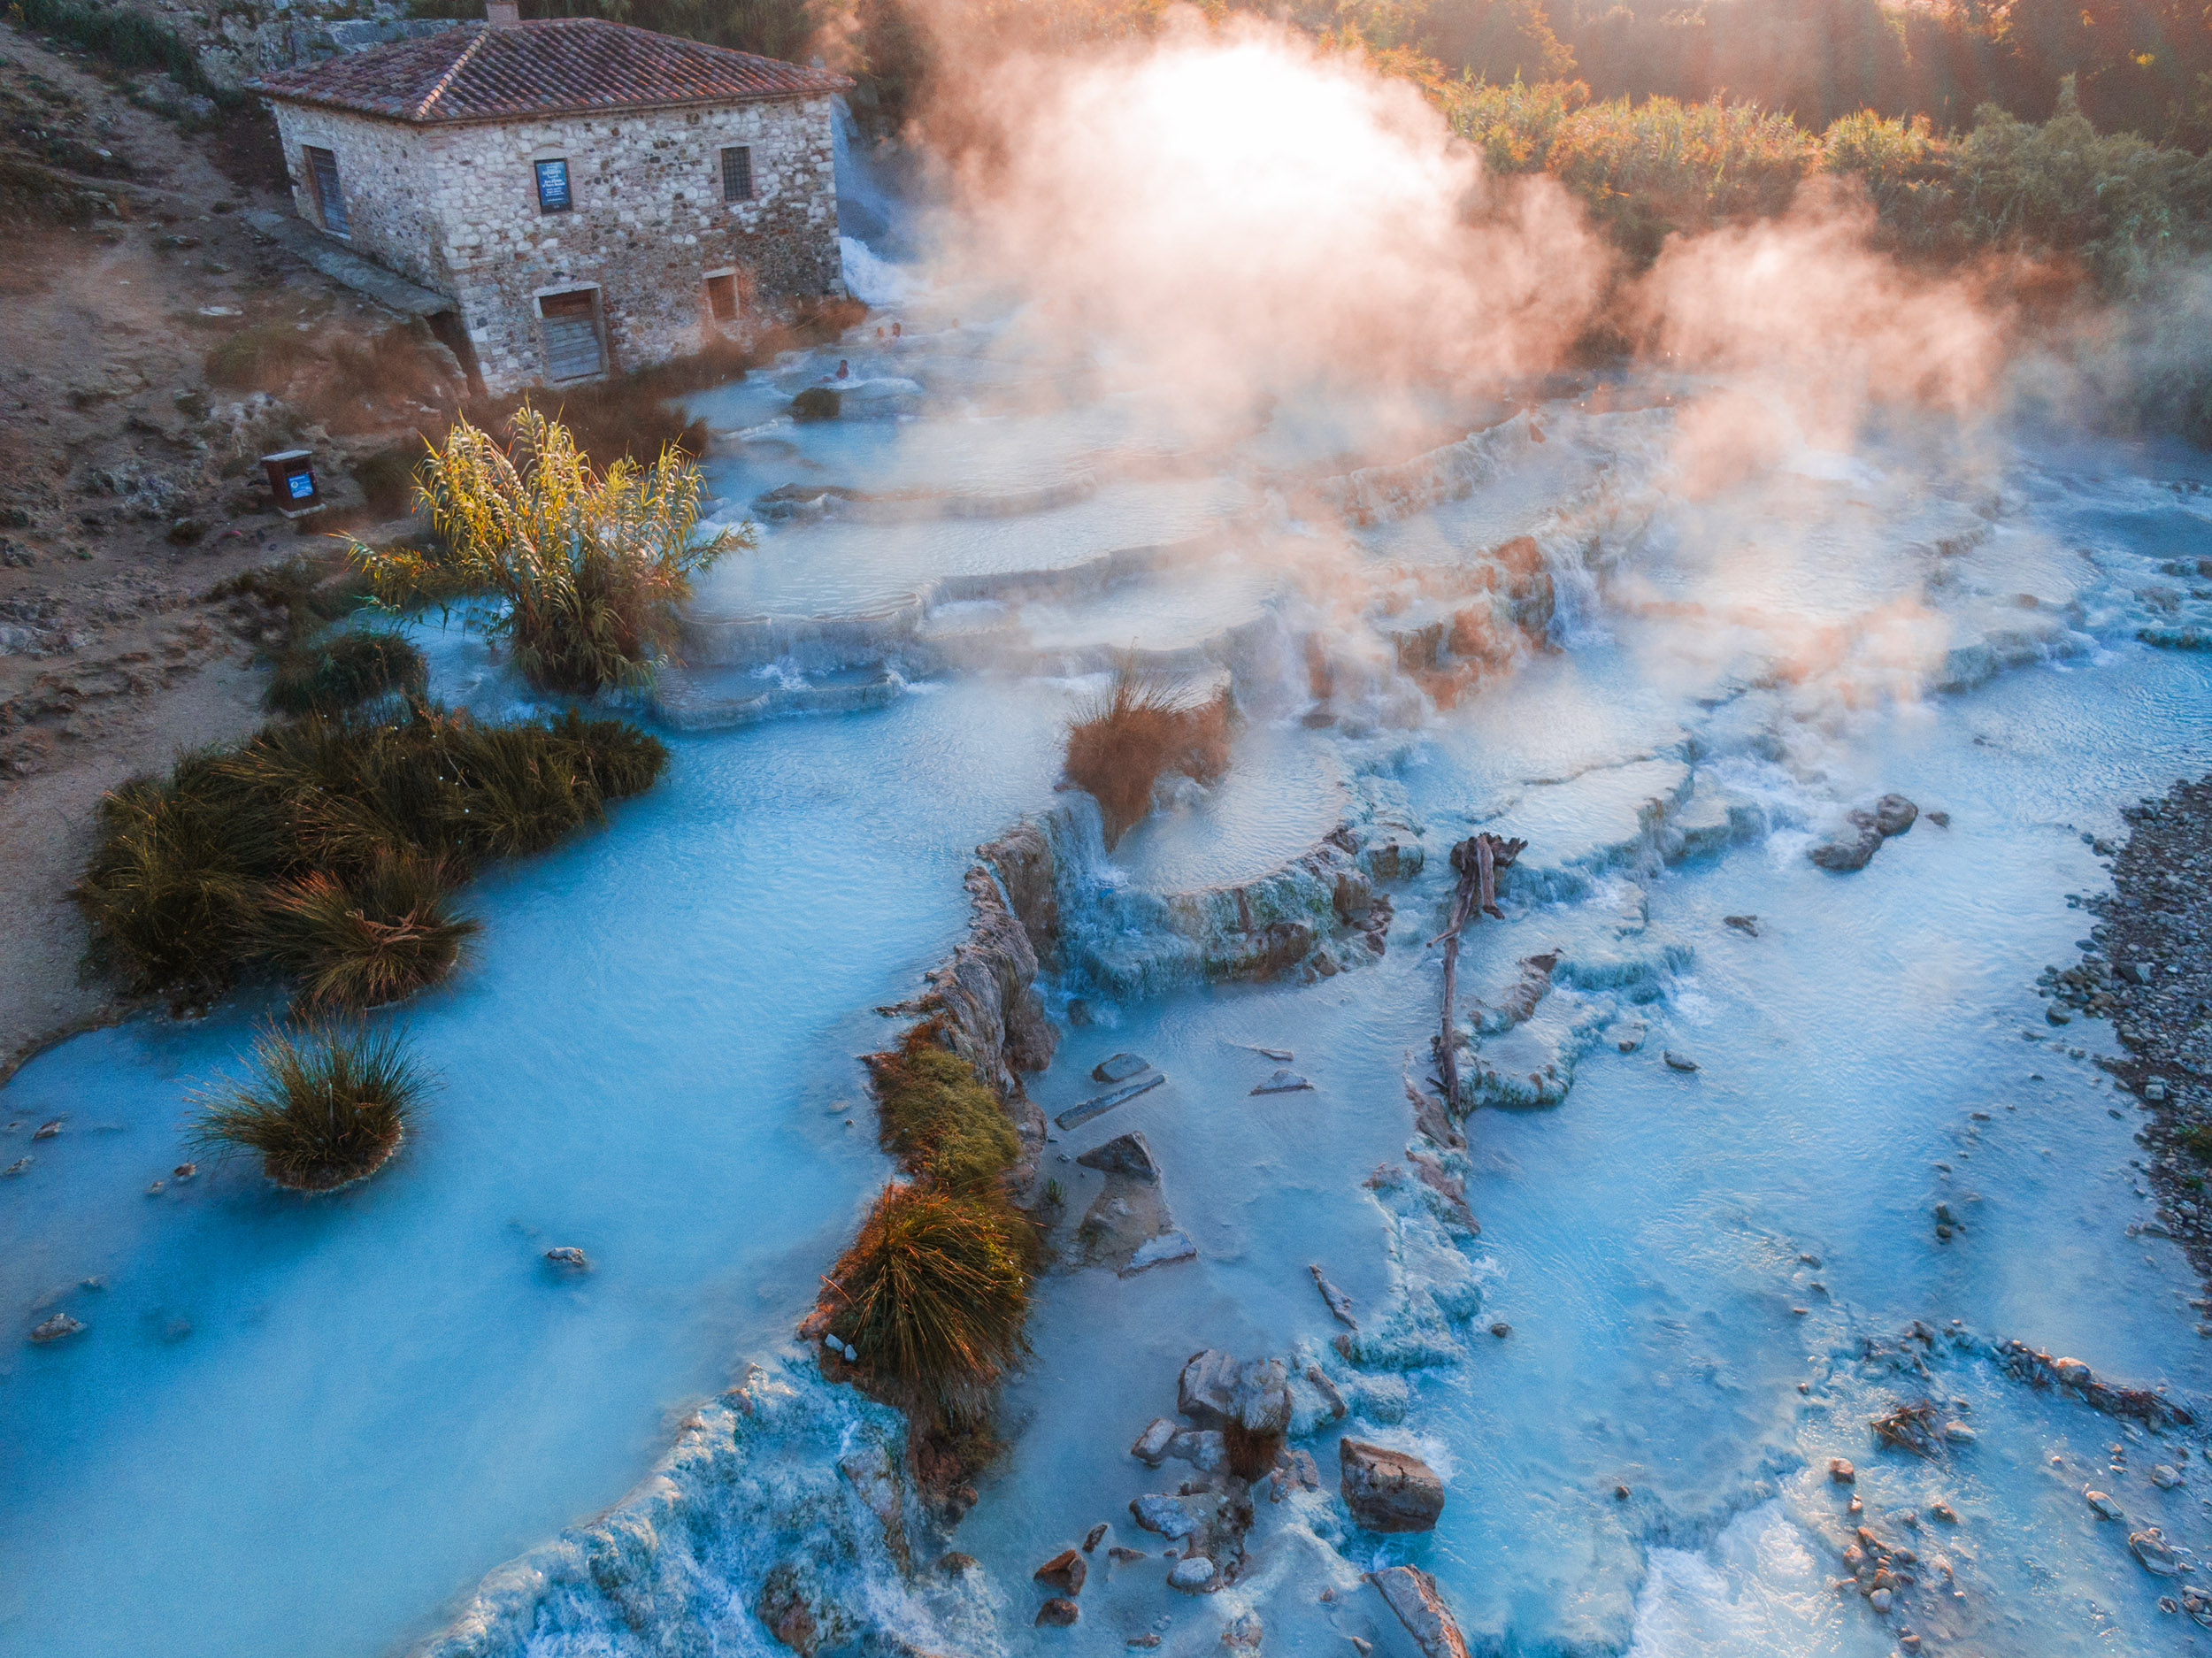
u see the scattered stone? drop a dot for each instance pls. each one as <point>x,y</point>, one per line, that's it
<point>1387,1490</point>
<point>1091,1538</point>
<point>1880,1601</point>
<point>47,1130</point>
<point>1064,1572</point>
<point>1098,1105</point>
<point>953,1562</point>
<point>1742,924</point>
<point>1165,1516</point>
<point>1158,1251</point>
<point>1339,1303</point>
<point>1119,1068</point>
<point>2107,1509</point>
<point>1502,1329</point>
<point>2164,1476</point>
<point>1129,1156</point>
<point>1940,819</point>
<point>1284,1082</point>
<point>1146,1642</point>
<point>1677,1061</point>
<point>1958,1433</point>
<point>1205,1449</point>
<point>18,1166</point>
<point>1944,1512</point>
<point>60,1327</point>
<point>570,1255</point>
<point>1280,1056</point>
<point>1620,1493</point>
<point>1411,1593</point>
<point>1119,1555</point>
<point>1893,814</point>
<point>155,1190</point>
<point>184,1171</point>
<point>1059,1611</point>
<point>1151,1445</point>
<point>2150,1546</point>
<point>1194,1575</point>
<point>1243,1632</point>
<point>1362,1647</point>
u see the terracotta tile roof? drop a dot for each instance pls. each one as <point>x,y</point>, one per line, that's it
<point>557,66</point>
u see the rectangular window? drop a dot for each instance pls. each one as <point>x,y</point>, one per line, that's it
<point>553,188</point>
<point>322,172</point>
<point>737,173</point>
<point>722,297</point>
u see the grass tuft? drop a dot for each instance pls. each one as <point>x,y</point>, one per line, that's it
<point>345,672</point>
<point>246,859</point>
<point>380,937</point>
<point>940,1120</point>
<point>325,1108</point>
<point>935,1290</point>
<point>1120,745</point>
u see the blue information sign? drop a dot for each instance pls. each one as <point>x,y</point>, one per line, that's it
<point>553,187</point>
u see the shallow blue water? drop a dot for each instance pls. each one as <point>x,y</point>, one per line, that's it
<point>314,1426</point>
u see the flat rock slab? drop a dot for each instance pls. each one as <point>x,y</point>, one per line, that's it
<point>1159,1250</point>
<point>1284,1082</point>
<point>1127,1155</point>
<point>1411,1593</point>
<point>1098,1105</point>
<point>1118,1068</point>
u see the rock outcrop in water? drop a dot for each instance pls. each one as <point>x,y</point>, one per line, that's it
<point>1134,943</point>
<point>1388,1490</point>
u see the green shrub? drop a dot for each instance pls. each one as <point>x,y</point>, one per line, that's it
<point>324,1110</point>
<point>939,1118</point>
<point>2197,1141</point>
<point>300,588</point>
<point>123,37</point>
<point>933,1296</point>
<point>346,671</point>
<point>258,857</point>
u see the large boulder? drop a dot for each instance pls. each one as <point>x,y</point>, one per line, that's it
<point>1387,1490</point>
<point>1411,1593</point>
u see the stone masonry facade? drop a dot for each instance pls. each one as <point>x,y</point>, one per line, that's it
<point>455,208</point>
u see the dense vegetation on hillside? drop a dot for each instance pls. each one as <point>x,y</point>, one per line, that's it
<point>2140,66</point>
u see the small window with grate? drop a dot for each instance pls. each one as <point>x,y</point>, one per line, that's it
<point>722,297</point>
<point>553,196</point>
<point>737,173</point>
<point>330,203</point>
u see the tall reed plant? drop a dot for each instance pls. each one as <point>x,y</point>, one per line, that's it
<point>590,567</point>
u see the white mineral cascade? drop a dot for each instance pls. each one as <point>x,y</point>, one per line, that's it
<point>322,1426</point>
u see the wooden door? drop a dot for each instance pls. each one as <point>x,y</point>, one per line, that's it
<point>573,349</point>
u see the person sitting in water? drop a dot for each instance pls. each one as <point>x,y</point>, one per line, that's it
<point>895,331</point>
<point>844,369</point>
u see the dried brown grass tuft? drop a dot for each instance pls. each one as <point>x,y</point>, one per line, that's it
<point>1146,725</point>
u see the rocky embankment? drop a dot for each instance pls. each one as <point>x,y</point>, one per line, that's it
<point>2150,971</point>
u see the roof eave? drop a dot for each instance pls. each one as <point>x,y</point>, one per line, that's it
<point>547,111</point>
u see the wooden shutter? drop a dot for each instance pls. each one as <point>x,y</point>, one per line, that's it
<point>573,350</point>
<point>322,167</point>
<point>737,173</point>
<point>722,297</point>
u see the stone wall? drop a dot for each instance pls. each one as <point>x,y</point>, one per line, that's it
<point>456,208</point>
<point>397,226</point>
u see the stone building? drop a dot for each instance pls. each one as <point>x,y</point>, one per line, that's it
<point>593,198</point>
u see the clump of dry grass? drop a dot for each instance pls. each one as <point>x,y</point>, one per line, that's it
<point>1119,746</point>
<point>373,939</point>
<point>934,1292</point>
<point>325,1108</point>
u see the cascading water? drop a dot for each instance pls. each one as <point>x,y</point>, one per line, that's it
<point>316,1425</point>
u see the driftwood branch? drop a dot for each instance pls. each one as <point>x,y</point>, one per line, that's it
<point>1478,859</point>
